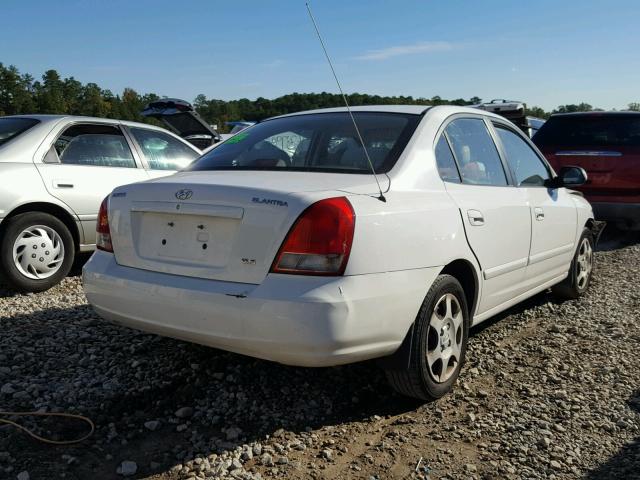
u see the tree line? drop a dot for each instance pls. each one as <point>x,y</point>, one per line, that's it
<point>21,93</point>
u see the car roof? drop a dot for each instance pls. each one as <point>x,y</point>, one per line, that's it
<point>412,109</point>
<point>407,109</point>
<point>597,114</point>
<point>55,118</point>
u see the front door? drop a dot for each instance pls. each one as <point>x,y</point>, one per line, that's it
<point>553,212</point>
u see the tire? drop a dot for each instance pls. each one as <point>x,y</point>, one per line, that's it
<point>580,271</point>
<point>442,326</point>
<point>46,265</point>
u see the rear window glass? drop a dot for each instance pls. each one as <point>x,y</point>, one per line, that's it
<point>316,142</point>
<point>10,127</point>
<point>590,130</point>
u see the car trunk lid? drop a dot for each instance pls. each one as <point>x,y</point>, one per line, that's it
<point>220,225</point>
<point>611,172</point>
<point>181,118</point>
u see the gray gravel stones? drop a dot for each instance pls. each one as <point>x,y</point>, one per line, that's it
<point>127,468</point>
<point>550,390</point>
<point>152,425</point>
<point>184,412</point>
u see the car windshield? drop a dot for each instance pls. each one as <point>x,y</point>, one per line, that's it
<point>325,142</point>
<point>11,127</point>
<point>590,130</point>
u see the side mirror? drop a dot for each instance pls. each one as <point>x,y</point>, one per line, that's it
<point>568,177</point>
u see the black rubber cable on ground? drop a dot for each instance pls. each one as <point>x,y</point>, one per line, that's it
<point>47,414</point>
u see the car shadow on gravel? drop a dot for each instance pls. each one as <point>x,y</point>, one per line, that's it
<point>76,270</point>
<point>626,463</point>
<point>613,238</point>
<point>72,361</point>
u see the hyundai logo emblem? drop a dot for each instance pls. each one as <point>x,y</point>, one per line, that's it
<point>184,194</point>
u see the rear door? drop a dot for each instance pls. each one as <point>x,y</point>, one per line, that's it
<point>495,214</point>
<point>553,212</point>
<point>84,164</point>
<point>162,154</point>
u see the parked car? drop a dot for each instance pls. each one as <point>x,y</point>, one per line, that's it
<point>55,171</point>
<point>516,112</point>
<point>607,146</point>
<point>182,119</point>
<point>295,256</point>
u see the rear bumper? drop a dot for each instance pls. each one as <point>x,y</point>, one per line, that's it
<point>295,320</point>
<point>626,212</point>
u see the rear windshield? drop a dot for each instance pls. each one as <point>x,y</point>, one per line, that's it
<point>325,142</point>
<point>590,131</point>
<point>12,127</point>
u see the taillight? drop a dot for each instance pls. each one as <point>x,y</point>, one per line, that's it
<point>319,242</point>
<point>103,241</point>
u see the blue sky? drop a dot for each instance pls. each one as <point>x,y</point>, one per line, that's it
<point>541,51</point>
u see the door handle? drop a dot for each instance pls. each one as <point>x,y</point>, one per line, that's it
<point>475,217</point>
<point>539,212</point>
<point>62,184</point>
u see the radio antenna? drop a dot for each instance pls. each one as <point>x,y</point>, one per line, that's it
<point>344,97</point>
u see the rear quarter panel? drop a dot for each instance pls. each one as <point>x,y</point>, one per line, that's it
<point>410,230</point>
<point>22,184</point>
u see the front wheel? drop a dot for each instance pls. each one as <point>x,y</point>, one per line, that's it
<point>439,343</point>
<point>36,251</point>
<point>580,271</point>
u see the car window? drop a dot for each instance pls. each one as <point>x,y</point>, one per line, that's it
<point>445,161</point>
<point>94,145</point>
<point>11,127</point>
<point>475,152</point>
<point>525,164</point>
<point>162,151</point>
<point>315,142</point>
<point>590,130</point>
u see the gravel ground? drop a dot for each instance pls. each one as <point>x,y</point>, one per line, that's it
<point>550,390</point>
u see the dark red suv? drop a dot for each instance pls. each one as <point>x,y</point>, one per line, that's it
<point>607,146</point>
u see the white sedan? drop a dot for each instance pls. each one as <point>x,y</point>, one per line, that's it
<point>278,243</point>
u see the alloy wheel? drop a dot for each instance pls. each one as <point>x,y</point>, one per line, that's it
<point>444,339</point>
<point>584,263</point>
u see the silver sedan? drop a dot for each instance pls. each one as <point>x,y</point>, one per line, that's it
<point>55,171</point>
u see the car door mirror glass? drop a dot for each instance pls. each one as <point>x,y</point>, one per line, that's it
<point>573,176</point>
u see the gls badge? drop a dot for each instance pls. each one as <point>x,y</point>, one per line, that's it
<point>184,194</point>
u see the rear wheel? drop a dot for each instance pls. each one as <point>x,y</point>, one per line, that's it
<point>580,271</point>
<point>439,343</point>
<point>36,251</point>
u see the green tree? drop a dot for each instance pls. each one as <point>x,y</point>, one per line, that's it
<point>571,108</point>
<point>50,93</point>
<point>16,95</point>
<point>536,112</point>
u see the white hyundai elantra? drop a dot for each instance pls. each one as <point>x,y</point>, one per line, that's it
<point>281,244</point>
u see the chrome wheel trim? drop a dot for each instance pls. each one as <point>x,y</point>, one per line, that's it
<point>444,338</point>
<point>38,252</point>
<point>584,263</point>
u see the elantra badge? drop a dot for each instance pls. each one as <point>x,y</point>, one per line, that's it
<point>270,201</point>
<point>184,194</point>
